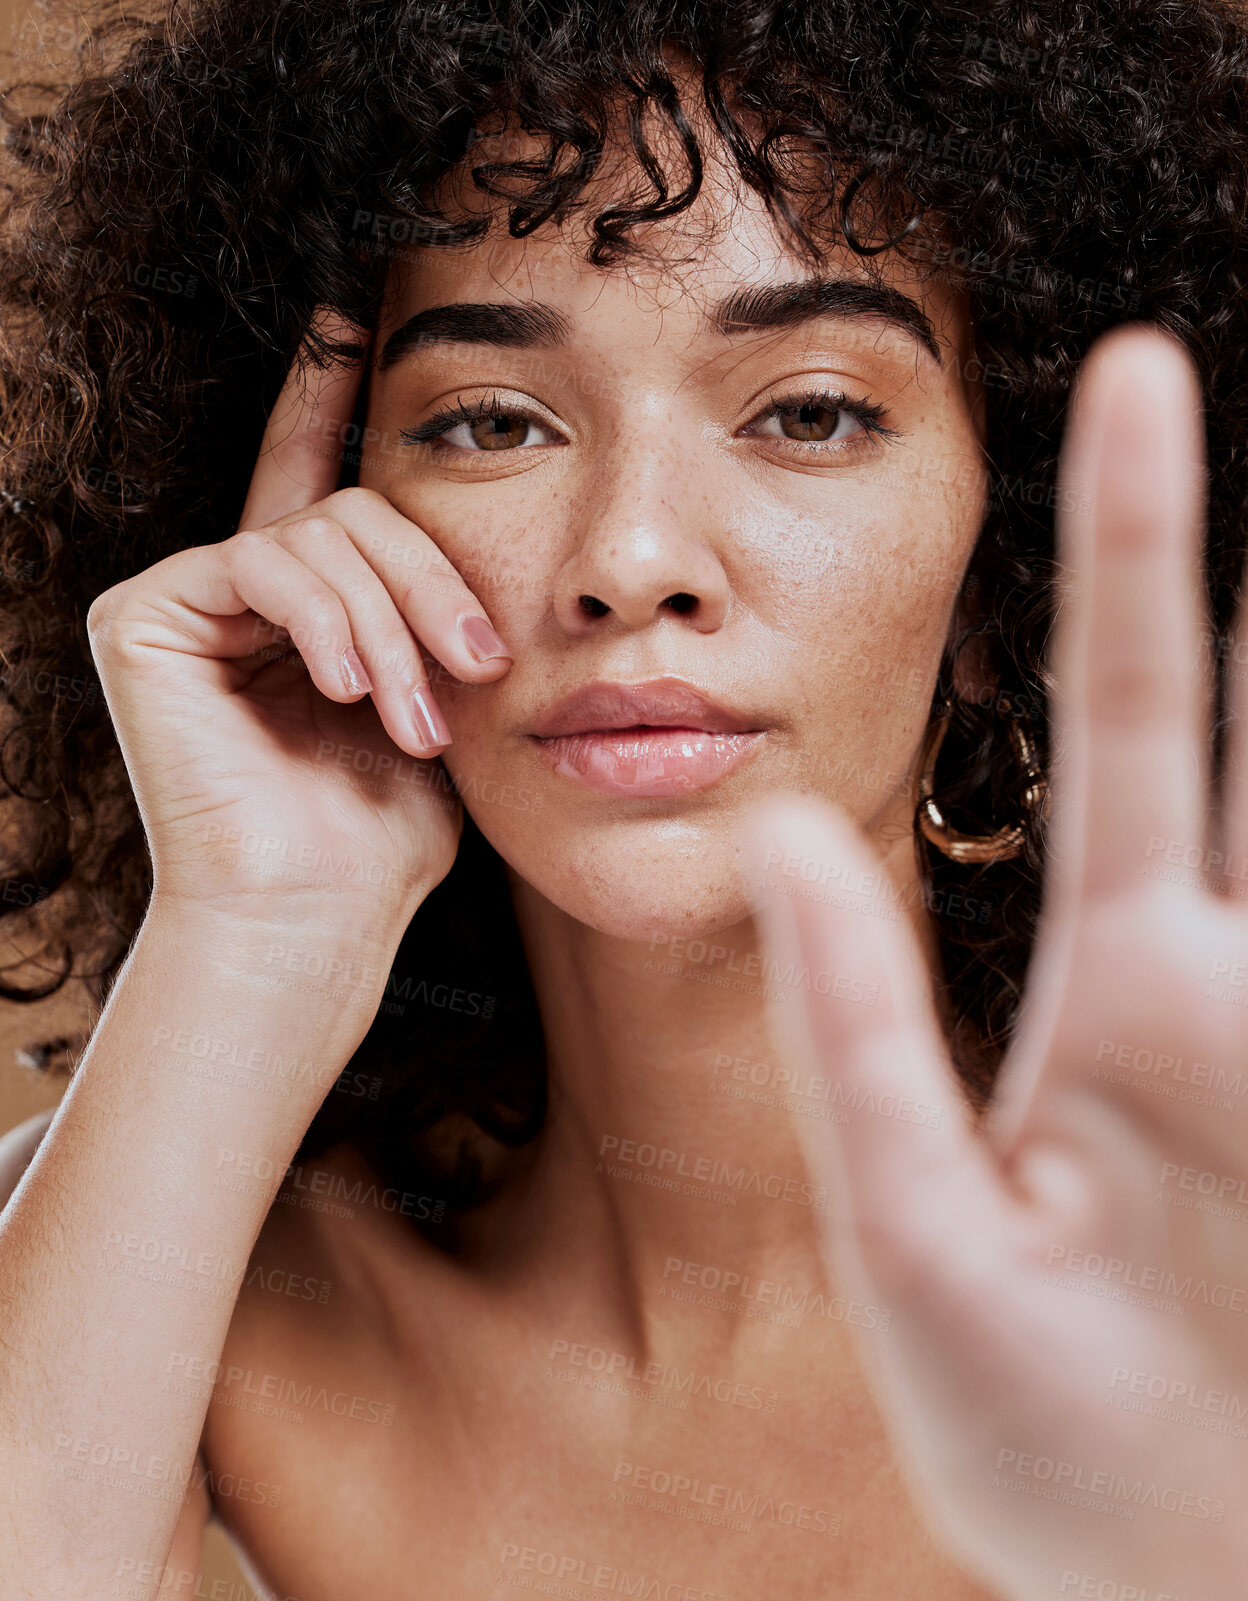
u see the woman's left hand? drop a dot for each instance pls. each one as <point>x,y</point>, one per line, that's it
<point>1066,1376</point>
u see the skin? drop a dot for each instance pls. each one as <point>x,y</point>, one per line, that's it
<point>498,1444</point>
<point>797,614</point>
<point>819,572</point>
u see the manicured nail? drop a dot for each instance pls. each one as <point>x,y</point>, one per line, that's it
<point>429,719</point>
<point>353,672</point>
<point>483,643</point>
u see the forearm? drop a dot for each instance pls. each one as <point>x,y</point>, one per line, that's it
<point>121,1257</point>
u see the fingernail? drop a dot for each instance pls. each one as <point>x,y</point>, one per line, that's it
<point>430,722</point>
<point>483,643</point>
<point>353,672</point>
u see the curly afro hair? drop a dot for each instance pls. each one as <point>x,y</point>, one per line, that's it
<point>180,200</point>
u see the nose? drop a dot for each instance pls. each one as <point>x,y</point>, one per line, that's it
<point>642,551</point>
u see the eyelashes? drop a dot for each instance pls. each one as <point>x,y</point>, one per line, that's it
<point>807,405</point>
<point>471,414</point>
<point>868,414</point>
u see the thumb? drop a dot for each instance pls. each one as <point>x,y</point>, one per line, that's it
<point>903,1169</point>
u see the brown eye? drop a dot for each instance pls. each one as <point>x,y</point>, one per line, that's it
<point>499,432</point>
<point>808,422</point>
<point>819,418</point>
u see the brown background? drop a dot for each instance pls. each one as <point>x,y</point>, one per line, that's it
<point>33,41</point>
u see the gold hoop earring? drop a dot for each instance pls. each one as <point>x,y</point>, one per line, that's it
<point>1005,842</point>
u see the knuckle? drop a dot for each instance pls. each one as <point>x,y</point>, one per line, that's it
<point>98,613</point>
<point>102,614</point>
<point>248,542</point>
<point>354,501</point>
<point>316,527</point>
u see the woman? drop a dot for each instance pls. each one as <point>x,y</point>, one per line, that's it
<point>768,326</point>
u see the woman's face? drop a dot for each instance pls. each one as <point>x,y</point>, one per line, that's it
<point>666,486</point>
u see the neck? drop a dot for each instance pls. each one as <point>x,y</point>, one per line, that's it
<point>672,1146</point>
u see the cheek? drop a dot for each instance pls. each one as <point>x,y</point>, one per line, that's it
<point>874,563</point>
<point>855,611</point>
<point>498,537</point>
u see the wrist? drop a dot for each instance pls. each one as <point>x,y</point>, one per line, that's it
<point>367,932</point>
<point>327,972</point>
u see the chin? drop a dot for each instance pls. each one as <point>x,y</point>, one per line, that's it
<point>642,880</point>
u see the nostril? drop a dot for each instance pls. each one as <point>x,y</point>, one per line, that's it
<point>682,603</point>
<point>592,606</point>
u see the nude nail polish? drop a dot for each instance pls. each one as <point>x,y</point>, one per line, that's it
<point>353,672</point>
<point>430,723</point>
<point>484,645</point>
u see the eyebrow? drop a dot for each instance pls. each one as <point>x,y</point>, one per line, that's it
<point>747,310</point>
<point>785,305</point>
<point>476,322</point>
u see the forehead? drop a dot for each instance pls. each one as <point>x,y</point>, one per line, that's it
<point>691,265</point>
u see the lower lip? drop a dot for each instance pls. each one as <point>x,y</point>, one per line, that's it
<point>648,763</point>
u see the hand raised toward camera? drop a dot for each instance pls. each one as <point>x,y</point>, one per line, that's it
<point>271,697</point>
<point>1069,1351</point>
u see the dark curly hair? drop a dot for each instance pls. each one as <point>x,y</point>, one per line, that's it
<point>179,202</point>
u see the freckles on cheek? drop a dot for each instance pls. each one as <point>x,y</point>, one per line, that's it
<point>508,586</point>
<point>495,552</point>
<point>864,632</point>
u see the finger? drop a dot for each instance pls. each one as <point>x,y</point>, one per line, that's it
<point>906,1174</point>
<point>1131,708</point>
<point>300,456</point>
<point>389,661</point>
<point>285,591</point>
<point>216,601</point>
<point>424,588</point>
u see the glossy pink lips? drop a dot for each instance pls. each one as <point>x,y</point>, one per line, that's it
<point>654,740</point>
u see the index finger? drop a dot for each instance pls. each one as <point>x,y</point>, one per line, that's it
<point>301,452</point>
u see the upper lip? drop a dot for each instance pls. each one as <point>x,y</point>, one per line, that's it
<point>658,703</point>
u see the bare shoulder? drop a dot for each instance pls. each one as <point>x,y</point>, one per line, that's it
<point>17,1150</point>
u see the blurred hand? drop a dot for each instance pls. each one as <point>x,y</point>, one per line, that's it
<point>1059,1276</point>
